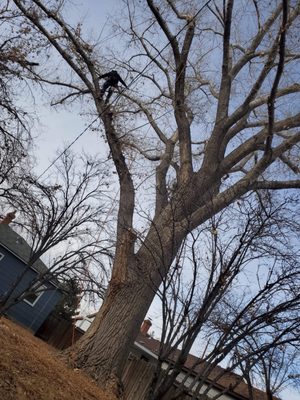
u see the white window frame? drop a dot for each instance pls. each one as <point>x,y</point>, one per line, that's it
<point>1,256</point>
<point>40,292</point>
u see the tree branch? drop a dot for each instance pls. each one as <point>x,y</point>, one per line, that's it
<point>250,52</point>
<point>279,72</point>
<point>162,23</point>
<point>277,185</point>
<point>35,20</point>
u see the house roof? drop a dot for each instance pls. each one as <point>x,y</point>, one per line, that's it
<point>17,245</point>
<point>218,376</point>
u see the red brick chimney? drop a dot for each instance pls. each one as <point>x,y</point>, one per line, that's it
<point>146,325</point>
<point>8,218</point>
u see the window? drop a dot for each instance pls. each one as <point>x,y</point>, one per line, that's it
<point>34,294</point>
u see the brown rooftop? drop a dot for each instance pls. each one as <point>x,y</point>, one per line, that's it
<point>219,377</point>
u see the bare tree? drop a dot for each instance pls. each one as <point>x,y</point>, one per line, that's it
<point>244,325</point>
<point>274,370</point>
<point>15,121</point>
<point>213,75</point>
<point>64,218</point>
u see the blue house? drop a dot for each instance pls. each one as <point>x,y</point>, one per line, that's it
<point>15,252</point>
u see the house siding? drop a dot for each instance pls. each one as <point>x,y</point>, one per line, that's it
<point>30,316</point>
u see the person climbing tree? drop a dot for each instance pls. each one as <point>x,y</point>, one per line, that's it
<point>112,79</point>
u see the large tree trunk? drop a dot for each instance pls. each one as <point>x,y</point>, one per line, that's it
<point>104,349</point>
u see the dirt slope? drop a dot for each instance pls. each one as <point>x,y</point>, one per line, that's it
<point>32,370</point>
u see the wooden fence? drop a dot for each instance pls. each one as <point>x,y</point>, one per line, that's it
<point>59,332</point>
<point>137,378</point>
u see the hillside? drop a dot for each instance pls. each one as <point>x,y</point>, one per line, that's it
<point>32,370</point>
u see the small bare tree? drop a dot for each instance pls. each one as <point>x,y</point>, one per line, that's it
<point>64,218</point>
<point>17,51</point>
<point>273,370</point>
<point>239,298</point>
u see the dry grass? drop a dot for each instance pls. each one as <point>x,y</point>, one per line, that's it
<point>32,370</point>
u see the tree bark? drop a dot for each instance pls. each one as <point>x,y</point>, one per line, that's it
<point>102,352</point>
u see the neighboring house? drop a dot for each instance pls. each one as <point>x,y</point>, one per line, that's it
<point>14,255</point>
<point>227,385</point>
